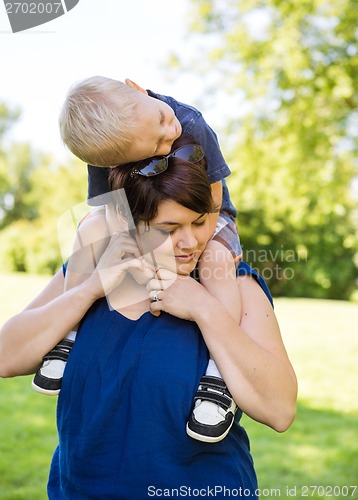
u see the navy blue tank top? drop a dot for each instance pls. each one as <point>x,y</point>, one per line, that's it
<point>126,396</point>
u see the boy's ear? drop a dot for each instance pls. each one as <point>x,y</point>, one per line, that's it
<point>135,86</point>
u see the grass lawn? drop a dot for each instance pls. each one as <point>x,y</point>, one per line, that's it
<point>319,450</point>
<point>321,447</point>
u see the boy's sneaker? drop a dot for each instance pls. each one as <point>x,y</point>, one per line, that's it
<point>48,378</point>
<point>213,412</point>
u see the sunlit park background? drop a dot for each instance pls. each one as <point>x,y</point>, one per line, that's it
<point>278,83</point>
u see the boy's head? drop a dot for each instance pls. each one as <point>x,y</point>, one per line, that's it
<point>105,122</point>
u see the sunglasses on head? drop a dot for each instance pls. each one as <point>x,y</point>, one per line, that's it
<point>157,165</point>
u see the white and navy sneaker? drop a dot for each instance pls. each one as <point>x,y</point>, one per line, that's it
<point>213,412</point>
<point>48,378</point>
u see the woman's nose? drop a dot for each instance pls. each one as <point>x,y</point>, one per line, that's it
<point>187,240</point>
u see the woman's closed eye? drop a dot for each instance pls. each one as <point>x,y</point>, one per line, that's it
<point>166,232</point>
<point>201,223</point>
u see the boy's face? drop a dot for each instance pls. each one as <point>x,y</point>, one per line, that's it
<point>157,129</point>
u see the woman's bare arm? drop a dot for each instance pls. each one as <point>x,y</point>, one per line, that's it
<point>251,357</point>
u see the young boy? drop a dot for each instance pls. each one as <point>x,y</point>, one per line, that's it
<point>107,123</point>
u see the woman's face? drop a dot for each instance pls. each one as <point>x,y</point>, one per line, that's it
<point>175,238</point>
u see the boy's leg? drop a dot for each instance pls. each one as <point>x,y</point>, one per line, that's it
<point>214,409</point>
<point>91,240</point>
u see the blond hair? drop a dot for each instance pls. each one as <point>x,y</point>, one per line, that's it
<point>97,119</point>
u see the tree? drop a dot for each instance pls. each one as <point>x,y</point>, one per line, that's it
<point>31,244</point>
<point>13,169</point>
<point>16,166</point>
<point>34,192</point>
<point>289,69</point>
<point>7,118</point>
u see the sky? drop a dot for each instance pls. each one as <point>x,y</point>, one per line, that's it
<point>97,37</point>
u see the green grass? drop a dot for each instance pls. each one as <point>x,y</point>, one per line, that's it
<point>27,419</point>
<point>320,449</point>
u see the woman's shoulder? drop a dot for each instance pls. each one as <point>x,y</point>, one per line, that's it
<point>245,269</point>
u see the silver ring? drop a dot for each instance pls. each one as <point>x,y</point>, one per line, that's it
<point>155,297</point>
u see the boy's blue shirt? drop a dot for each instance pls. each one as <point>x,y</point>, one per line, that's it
<point>194,125</point>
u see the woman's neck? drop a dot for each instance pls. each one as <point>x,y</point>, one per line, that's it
<point>130,298</point>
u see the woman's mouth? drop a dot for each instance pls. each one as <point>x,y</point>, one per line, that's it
<point>185,257</point>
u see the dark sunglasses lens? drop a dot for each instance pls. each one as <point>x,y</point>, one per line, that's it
<point>154,167</point>
<point>191,153</point>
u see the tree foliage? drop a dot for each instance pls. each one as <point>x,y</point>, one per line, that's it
<point>34,193</point>
<point>7,118</point>
<point>289,70</point>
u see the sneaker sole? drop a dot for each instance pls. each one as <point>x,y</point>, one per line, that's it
<point>48,392</point>
<point>206,439</point>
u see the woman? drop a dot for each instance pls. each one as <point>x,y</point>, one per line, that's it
<point>141,350</point>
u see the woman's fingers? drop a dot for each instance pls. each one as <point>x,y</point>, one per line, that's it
<point>119,231</point>
<point>156,295</point>
<point>164,278</point>
<point>113,275</point>
<point>142,276</point>
<point>174,295</point>
<point>155,303</point>
<point>125,244</point>
<point>156,286</point>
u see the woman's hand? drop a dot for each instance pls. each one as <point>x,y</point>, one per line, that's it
<point>121,256</point>
<point>117,225</point>
<point>175,294</point>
